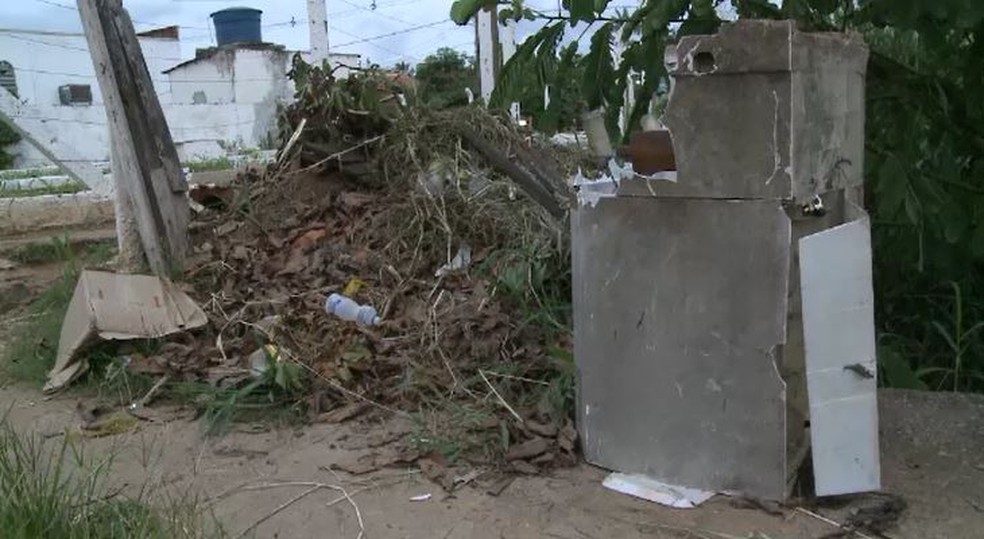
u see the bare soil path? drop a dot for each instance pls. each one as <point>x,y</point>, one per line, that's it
<point>931,448</point>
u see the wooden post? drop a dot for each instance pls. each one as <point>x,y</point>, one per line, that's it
<point>149,179</point>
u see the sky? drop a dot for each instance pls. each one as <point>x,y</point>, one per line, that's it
<point>382,31</point>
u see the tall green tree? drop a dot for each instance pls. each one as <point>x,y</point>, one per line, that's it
<point>924,163</point>
<point>443,77</point>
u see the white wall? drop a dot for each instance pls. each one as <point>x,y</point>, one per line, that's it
<point>43,61</point>
<point>241,88</point>
<point>211,79</point>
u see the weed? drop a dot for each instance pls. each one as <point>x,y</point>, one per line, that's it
<point>958,337</point>
<point>455,429</point>
<point>206,164</point>
<point>55,491</point>
<point>59,249</point>
<point>538,280</point>
<point>258,401</point>
<point>31,351</point>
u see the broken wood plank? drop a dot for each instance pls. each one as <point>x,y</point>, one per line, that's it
<point>526,181</point>
<point>148,173</point>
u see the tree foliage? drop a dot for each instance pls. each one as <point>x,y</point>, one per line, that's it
<point>924,145</point>
<point>443,77</point>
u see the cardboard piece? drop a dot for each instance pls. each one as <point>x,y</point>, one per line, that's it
<point>118,307</point>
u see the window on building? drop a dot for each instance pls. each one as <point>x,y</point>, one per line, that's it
<point>8,80</point>
<point>75,94</point>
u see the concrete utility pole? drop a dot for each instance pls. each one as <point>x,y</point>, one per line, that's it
<point>150,186</point>
<point>487,45</point>
<point>318,27</point>
<point>508,40</point>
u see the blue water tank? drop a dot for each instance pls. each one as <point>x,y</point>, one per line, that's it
<point>237,25</point>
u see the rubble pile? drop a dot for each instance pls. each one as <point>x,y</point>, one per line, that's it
<point>392,206</point>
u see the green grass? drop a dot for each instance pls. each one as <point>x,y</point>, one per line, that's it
<point>31,350</point>
<point>59,249</point>
<point>30,354</point>
<point>25,173</point>
<point>52,490</point>
<point>215,163</point>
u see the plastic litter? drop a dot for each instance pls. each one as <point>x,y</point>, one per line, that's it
<point>652,490</point>
<point>461,261</point>
<point>347,309</point>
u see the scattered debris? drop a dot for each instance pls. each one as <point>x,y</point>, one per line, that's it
<point>373,197</point>
<point>118,307</point>
<point>344,413</point>
<point>262,358</point>
<point>768,507</point>
<point>460,262</point>
<point>463,480</point>
<point>842,531</point>
<point>100,421</point>
<point>435,467</point>
<point>523,467</point>
<point>163,413</point>
<point>149,396</point>
<point>496,488</point>
<point>529,449</point>
<point>652,490</point>
<point>350,311</point>
<point>376,460</point>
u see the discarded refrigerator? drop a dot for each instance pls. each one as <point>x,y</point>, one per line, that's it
<point>723,312</point>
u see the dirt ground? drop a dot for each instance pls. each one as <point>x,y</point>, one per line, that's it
<point>932,456</point>
<point>931,450</point>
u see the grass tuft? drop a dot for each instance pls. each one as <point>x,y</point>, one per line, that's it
<point>206,164</point>
<point>30,352</point>
<point>53,490</point>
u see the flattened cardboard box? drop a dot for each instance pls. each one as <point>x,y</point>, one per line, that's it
<point>118,307</point>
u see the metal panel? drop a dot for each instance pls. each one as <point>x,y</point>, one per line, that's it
<point>678,313</point>
<point>839,332</point>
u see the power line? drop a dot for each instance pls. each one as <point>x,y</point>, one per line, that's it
<point>74,8</point>
<point>347,12</point>
<point>69,47</point>
<point>376,12</point>
<point>392,34</point>
<point>378,46</point>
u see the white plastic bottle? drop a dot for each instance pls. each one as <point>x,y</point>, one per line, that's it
<point>347,309</point>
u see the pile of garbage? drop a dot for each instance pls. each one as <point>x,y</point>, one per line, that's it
<point>396,260</point>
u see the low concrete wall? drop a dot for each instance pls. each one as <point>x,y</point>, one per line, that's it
<point>26,214</point>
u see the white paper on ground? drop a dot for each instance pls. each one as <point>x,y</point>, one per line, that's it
<point>652,490</point>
